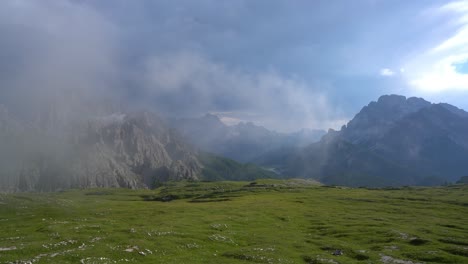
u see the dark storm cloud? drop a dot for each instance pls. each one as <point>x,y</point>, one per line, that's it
<point>280,63</point>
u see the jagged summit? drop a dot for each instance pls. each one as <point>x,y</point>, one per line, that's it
<point>377,117</point>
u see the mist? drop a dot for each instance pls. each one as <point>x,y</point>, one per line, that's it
<point>66,64</point>
<point>59,57</point>
<point>70,58</point>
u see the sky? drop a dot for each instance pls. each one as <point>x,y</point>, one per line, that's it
<point>282,64</point>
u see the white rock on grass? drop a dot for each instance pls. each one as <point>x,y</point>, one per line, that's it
<point>390,260</point>
<point>8,248</point>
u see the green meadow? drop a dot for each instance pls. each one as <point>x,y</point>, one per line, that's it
<point>267,221</point>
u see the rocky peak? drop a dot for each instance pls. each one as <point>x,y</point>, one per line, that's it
<point>391,100</point>
<point>377,117</point>
<point>394,106</point>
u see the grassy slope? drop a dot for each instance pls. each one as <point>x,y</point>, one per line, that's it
<point>237,222</point>
<point>217,168</point>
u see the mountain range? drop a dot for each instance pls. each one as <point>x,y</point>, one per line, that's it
<point>391,142</point>
<point>244,142</point>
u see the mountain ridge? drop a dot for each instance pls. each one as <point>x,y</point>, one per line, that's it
<point>393,141</point>
<point>244,142</point>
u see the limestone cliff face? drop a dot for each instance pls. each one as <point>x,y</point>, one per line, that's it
<point>133,151</point>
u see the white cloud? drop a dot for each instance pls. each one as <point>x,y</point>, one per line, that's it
<point>230,121</point>
<point>386,72</point>
<point>233,118</point>
<point>435,70</point>
<point>443,76</point>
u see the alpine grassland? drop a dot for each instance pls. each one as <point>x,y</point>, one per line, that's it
<point>265,221</point>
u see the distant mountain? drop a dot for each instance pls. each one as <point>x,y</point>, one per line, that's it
<point>244,142</point>
<point>394,141</point>
<point>134,150</point>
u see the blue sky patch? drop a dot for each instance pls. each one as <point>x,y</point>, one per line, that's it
<point>462,67</point>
